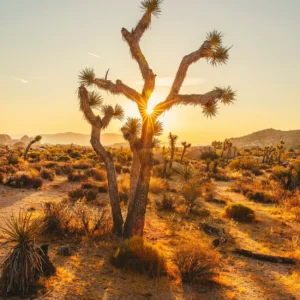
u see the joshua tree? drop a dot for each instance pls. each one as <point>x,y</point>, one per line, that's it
<point>88,102</point>
<point>217,145</point>
<point>280,149</point>
<point>185,146</point>
<point>36,139</point>
<point>172,142</point>
<point>268,150</point>
<point>211,49</point>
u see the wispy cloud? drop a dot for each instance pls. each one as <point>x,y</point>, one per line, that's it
<point>92,54</point>
<point>168,81</point>
<point>19,79</point>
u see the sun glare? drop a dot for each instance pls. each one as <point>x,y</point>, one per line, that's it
<point>149,110</point>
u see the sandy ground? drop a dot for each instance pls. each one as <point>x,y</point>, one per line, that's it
<point>89,275</point>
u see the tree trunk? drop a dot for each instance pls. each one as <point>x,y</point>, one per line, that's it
<point>27,149</point>
<point>111,178</point>
<point>135,220</point>
<point>134,177</point>
<point>182,155</point>
<point>171,158</point>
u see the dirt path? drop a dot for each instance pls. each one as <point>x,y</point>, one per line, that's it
<point>12,200</point>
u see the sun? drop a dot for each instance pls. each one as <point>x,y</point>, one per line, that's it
<point>149,110</point>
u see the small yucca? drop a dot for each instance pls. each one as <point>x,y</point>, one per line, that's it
<point>23,263</point>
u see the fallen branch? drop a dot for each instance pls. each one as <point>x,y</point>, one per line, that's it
<point>264,257</point>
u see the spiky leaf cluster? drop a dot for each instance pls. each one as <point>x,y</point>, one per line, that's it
<point>95,100</point>
<point>227,95</point>
<point>216,53</point>
<point>152,6</point>
<point>210,109</point>
<point>87,76</point>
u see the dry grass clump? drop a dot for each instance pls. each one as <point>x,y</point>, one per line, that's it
<point>88,190</point>
<point>167,203</point>
<point>240,212</point>
<point>57,217</point>
<point>25,179</point>
<point>48,174</point>
<point>157,185</point>
<point>124,188</point>
<point>77,176</point>
<point>191,191</point>
<point>97,174</point>
<point>24,263</point>
<point>92,219</point>
<point>80,218</point>
<point>196,262</point>
<point>82,165</point>
<point>139,256</point>
<point>244,163</point>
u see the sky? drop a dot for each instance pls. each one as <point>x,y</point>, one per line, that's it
<point>45,44</point>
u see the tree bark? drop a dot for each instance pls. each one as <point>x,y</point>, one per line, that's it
<point>134,177</point>
<point>182,155</point>
<point>111,178</point>
<point>135,220</point>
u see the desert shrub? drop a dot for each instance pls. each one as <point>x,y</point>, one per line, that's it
<point>30,179</point>
<point>240,212</point>
<point>64,158</point>
<point>50,165</point>
<point>47,174</point>
<point>97,174</point>
<point>160,171</point>
<point>82,166</point>
<point>124,189</point>
<point>57,217</point>
<point>157,185</point>
<point>191,191</point>
<point>196,262</point>
<point>139,256</point>
<point>126,170</point>
<point>244,163</point>
<point>260,196</point>
<point>167,203</point>
<point>23,264</point>
<point>87,191</point>
<point>209,156</point>
<point>13,159</point>
<point>118,168</point>
<point>63,169</point>
<point>77,176</point>
<point>92,219</point>
<point>103,188</point>
<point>208,190</point>
<point>74,154</point>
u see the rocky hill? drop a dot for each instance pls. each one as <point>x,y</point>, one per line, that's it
<point>107,139</point>
<point>268,137</point>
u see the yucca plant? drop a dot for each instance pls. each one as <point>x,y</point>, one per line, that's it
<point>35,140</point>
<point>185,147</point>
<point>172,142</point>
<point>24,262</point>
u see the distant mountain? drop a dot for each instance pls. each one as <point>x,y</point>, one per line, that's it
<point>268,137</point>
<point>107,139</point>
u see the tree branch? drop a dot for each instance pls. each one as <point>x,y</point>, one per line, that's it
<point>132,39</point>
<point>83,96</point>
<point>120,88</point>
<point>184,66</point>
